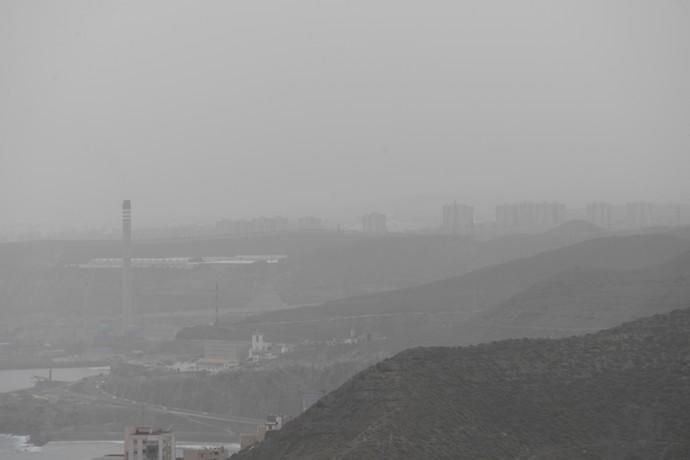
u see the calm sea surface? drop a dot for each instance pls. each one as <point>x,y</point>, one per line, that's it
<point>19,379</point>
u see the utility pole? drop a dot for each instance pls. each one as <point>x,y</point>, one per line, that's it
<point>81,335</point>
<point>215,323</point>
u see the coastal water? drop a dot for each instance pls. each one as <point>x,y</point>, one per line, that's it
<point>17,448</point>
<point>19,379</point>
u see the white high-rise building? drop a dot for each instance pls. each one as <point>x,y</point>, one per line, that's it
<point>457,219</point>
<point>600,214</point>
<point>529,217</point>
<point>146,443</point>
<point>374,222</point>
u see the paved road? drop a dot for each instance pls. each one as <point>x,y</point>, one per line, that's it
<point>98,395</point>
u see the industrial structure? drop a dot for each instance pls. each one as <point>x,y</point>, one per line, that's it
<point>182,262</point>
<point>127,303</point>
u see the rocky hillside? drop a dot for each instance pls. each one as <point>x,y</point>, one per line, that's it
<point>620,394</point>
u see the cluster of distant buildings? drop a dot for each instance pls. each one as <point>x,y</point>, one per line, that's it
<point>533,217</point>
<point>456,218</point>
<point>259,225</point>
<point>522,217</point>
<point>637,215</point>
<point>223,355</point>
<point>373,222</point>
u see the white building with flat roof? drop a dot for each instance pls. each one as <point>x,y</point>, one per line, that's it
<point>223,354</point>
<point>147,443</point>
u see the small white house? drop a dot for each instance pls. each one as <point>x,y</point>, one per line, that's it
<point>258,344</point>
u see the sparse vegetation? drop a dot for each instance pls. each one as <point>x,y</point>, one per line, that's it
<point>611,395</point>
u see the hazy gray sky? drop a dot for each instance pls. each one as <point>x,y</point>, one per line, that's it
<point>199,110</point>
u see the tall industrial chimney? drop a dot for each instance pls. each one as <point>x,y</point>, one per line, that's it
<point>126,265</point>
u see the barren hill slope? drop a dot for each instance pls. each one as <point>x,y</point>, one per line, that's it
<point>580,300</point>
<point>620,394</point>
<point>482,289</point>
<point>321,266</point>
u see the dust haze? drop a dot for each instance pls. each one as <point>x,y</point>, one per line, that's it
<point>344,229</point>
<point>204,111</point>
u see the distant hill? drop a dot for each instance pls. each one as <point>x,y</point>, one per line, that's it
<point>377,263</point>
<point>321,266</point>
<point>620,394</point>
<point>583,300</point>
<point>35,278</point>
<point>482,289</point>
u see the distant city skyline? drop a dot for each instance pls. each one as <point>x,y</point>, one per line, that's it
<point>412,208</point>
<point>509,216</point>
